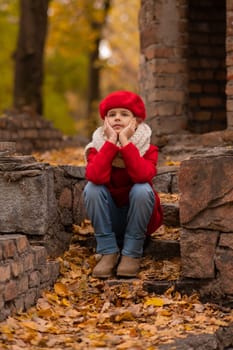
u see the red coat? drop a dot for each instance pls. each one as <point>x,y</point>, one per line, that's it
<point>119,181</point>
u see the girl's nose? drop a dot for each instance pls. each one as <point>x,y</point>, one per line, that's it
<point>118,115</point>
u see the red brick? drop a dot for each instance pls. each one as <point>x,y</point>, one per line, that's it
<point>195,88</point>
<point>34,279</point>
<point>28,262</point>
<point>170,95</point>
<point>22,284</point>
<point>229,105</point>
<point>10,291</point>
<point>201,116</point>
<point>5,272</point>
<point>40,255</point>
<point>211,101</point>
<point>22,244</point>
<point>8,247</point>
<point>154,51</point>
<point>17,267</point>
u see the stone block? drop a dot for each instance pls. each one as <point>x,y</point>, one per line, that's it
<point>10,290</point>
<point>29,262</point>
<point>22,284</point>
<point>30,298</point>
<point>77,172</point>
<point>40,255</point>
<point>22,244</point>
<point>19,304</point>
<point>28,205</point>
<point>226,240</point>
<point>5,272</point>
<point>206,191</point>
<point>164,177</point>
<point>17,267</point>
<point>65,199</point>
<point>8,247</point>
<point>34,279</point>
<point>79,213</point>
<point>197,249</point>
<point>171,214</point>
<point>224,266</point>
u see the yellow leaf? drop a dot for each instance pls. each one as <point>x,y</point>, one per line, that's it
<point>65,302</point>
<point>61,289</point>
<point>154,301</point>
<point>46,313</point>
<point>165,313</point>
<point>30,324</point>
<point>188,327</point>
<point>6,329</point>
<point>124,316</point>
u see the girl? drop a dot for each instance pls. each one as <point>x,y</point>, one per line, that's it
<point>119,196</point>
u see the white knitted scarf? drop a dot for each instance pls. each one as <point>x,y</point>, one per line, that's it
<point>141,139</point>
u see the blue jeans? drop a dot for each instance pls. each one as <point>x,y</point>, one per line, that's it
<point>121,228</point>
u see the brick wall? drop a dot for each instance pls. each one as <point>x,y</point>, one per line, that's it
<point>229,63</point>
<point>24,273</point>
<point>183,73</point>
<point>163,68</point>
<point>206,63</point>
<point>31,132</point>
<point>41,202</point>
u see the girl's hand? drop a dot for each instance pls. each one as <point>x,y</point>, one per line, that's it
<point>127,132</point>
<point>109,132</point>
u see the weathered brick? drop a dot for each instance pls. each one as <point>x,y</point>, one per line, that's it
<point>45,273</point>
<point>8,247</point>
<point>22,283</point>
<point>10,290</point>
<point>54,267</point>
<point>40,255</point>
<point>34,279</point>
<point>22,244</point>
<point>19,303</point>
<point>17,267</point>
<point>29,262</point>
<point>30,298</point>
<point>5,272</point>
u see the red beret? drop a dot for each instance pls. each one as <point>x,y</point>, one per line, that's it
<point>123,99</point>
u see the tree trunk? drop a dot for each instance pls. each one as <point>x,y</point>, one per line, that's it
<point>94,71</point>
<point>28,78</point>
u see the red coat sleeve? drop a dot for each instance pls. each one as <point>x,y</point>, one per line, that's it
<point>140,169</point>
<point>99,163</point>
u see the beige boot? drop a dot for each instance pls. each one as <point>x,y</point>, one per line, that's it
<point>105,267</point>
<point>128,266</point>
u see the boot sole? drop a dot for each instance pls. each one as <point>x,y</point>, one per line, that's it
<point>102,276</point>
<point>127,274</point>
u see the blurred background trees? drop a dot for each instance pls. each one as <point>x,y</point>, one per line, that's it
<point>91,48</point>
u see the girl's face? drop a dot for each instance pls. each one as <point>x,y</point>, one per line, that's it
<point>119,118</point>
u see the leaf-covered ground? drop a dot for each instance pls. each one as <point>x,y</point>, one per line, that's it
<point>82,312</point>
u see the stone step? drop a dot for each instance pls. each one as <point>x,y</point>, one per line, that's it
<point>155,248</point>
<point>171,214</point>
<point>184,286</point>
<point>162,249</point>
